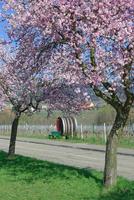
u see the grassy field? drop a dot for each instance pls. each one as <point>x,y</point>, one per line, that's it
<point>29,179</point>
<point>124,142</point>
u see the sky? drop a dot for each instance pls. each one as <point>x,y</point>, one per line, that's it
<point>3,34</point>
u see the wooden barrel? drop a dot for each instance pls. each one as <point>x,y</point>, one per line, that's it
<point>66,125</point>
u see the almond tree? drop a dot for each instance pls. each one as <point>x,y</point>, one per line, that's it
<point>97,37</point>
<point>24,87</point>
<point>20,90</point>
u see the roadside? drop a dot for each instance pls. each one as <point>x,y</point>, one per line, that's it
<point>126,141</point>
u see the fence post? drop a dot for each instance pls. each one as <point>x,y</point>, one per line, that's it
<point>93,128</point>
<point>105,133</point>
<point>72,132</point>
<point>81,131</point>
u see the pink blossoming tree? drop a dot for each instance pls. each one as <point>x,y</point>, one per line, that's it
<point>19,88</point>
<point>86,37</point>
<point>25,88</point>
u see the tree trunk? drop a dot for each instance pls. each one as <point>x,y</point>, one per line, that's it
<point>11,151</point>
<point>110,170</point>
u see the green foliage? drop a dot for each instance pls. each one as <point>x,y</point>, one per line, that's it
<point>29,179</point>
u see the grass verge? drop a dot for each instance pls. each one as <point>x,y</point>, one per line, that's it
<point>124,141</point>
<point>25,178</point>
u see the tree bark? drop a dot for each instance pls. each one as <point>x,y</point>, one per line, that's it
<point>14,128</point>
<point>110,170</point>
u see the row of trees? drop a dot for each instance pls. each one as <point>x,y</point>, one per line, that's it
<point>65,47</point>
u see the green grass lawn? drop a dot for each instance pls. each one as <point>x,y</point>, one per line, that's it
<point>125,141</point>
<point>25,178</point>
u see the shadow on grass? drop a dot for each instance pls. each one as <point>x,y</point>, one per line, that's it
<point>30,169</point>
<point>120,193</point>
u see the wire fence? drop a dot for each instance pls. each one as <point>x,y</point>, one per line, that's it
<point>81,129</point>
